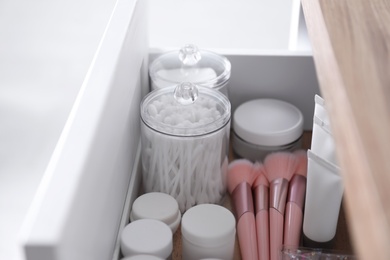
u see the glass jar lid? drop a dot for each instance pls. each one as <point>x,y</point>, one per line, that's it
<point>189,64</point>
<point>185,110</point>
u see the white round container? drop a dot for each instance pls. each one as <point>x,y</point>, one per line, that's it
<point>263,126</point>
<point>159,206</point>
<point>142,257</point>
<point>147,236</point>
<point>208,231</point>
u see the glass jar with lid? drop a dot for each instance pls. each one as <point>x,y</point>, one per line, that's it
<point>190,64</point>
<point>185,143</point>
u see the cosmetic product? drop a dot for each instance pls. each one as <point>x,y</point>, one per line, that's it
<point>260,190</point>
<point>320,109</point>
<point>322,142</point>
<point>159,206</point>
<point>142,257</point>
<point>241,175</point>
<point>147,236</point>
<point>279,168</point>
<point>185,143</point>
<point>294,253</point>
<point>295,202</point>
<point>208,232</point>
<point>324,194</point>
<point>190,64</point>
<point>263,126</point>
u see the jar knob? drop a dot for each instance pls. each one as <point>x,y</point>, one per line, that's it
<point>189,54</point>
<point>186,93</point>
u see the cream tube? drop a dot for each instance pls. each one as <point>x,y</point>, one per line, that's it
<point>324,194</point>
<point>322,142</point>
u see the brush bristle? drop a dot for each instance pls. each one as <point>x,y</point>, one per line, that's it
<point>280,165</point>
<point>260,179</point>
<point>301,156</point>
<point>239,171</point>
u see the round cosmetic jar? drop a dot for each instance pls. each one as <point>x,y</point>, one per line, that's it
<point>263,126</point>
<point>159,206</point>
<point>147,236</point>
<point>208,231</point>
<point>190,64</point>
<point>185,143</point>
<point>142,257</point>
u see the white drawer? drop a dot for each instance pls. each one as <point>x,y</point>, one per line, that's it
<point>94,173</point>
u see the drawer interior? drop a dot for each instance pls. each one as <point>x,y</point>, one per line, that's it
<point>94,175</point>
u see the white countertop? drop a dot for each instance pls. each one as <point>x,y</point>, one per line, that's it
<point>46,48</point>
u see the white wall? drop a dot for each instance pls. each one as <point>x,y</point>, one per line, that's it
<point>46,47</point>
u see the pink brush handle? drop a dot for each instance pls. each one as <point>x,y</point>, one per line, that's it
<point>246,229</point>
<point>262,228</point>
<point>292,224</point>
<point>276,233</point>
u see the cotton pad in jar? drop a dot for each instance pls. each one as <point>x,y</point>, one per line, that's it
<point>190,64</point>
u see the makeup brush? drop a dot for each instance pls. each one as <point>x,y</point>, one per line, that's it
<point>240,178</point>
<point>279,168</point>
<point>295,201</point>
<point>260,190</point>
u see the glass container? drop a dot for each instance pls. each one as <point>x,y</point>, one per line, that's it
<point>185,143</point>
<point>190,64</point>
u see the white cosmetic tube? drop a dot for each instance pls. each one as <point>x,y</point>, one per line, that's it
<point>324,194</point>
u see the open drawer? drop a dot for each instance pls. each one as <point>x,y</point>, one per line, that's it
<point>94,173</point>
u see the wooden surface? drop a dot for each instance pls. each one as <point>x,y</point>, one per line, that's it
<point>341,240</point>
<point>351,45</point>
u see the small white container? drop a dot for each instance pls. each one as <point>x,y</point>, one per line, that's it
<point>159,206</point>
<point>208,231</point>
<point>147,236</point>
<point>142,257</point>
<point>263,126</point>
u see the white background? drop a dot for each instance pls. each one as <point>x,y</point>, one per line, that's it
<point>46,47</point>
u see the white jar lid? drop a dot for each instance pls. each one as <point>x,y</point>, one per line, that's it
<point>208,225</point>
<point>159,206</point>
<point>142,257</point>
<point>147,236</point>
<point>268,122</point>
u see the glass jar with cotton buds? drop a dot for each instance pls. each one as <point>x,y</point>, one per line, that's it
<point>185,143</point>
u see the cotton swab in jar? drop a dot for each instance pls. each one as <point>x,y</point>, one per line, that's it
<point>187,162</point>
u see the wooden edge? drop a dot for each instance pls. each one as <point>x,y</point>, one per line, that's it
<point>368,215</point>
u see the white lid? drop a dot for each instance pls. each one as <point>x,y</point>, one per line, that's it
<point>159,206</point>
<point>147,236</point>
<point>268,122</point>
<point>142,257</point>
<point>208,225</point>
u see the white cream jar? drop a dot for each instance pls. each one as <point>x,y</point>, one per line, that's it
<point>208,231</point>
<point>147,236</point>
<point>263,126</point>
<point>159,206</point>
